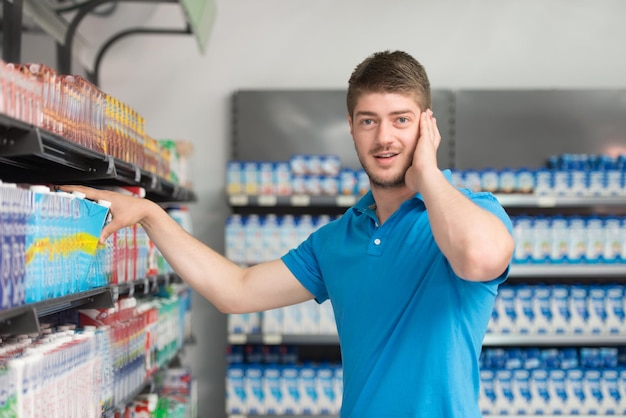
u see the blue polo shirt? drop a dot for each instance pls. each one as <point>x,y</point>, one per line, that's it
<point>410,329</point>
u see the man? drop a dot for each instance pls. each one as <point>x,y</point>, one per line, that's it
<point>412,270</point>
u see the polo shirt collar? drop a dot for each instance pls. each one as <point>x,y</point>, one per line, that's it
<point>366,204</point>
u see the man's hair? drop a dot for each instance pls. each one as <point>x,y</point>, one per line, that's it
<point>389,72</point>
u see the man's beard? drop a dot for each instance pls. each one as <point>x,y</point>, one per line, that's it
<point>385,183</point>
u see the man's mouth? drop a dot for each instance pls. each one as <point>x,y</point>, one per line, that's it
<point>385,155</point>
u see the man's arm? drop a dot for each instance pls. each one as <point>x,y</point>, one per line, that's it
<point>231,288</point>
<point>476,242</point>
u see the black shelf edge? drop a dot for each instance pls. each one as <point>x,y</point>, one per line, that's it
<point>277,339</point>
<point>298,416</point>
<point>551,340</point>
<point>495,340</point>
<point>24,319</point>
<point>571,271</point>
<point>506,200</point>
<point>32,155</point>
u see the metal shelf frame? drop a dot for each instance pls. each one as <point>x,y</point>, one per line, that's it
<point>29,154</point>
<point>24,319</point>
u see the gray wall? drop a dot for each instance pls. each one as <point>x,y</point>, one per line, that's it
<point>286,44</point>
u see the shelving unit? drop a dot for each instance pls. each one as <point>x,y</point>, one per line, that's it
<point>25,319</point>
<point>29,154</point>
<point>520,273</point>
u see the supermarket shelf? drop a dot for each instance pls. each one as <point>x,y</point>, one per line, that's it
<point>147,386</point>
<point>490,339</point>
<point>572,271</point>
<point>32,155</point>
<point>547,201</point>
<point>553,340</point>
<point>300,200</point>
<point>294,416</point>
<point>276,339</point>
<point>486,416</point>
<point>506,200</point>
<point>24,319</point>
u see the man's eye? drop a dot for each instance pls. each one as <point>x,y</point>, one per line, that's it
<point>367,122</point>
<point>402,119</point>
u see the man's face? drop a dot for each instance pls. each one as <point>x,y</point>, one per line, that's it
<point>385,128</point>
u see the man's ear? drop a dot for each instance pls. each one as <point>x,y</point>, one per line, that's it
<point>350,123</point>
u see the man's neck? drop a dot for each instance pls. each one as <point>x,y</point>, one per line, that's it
<point>388,200</point>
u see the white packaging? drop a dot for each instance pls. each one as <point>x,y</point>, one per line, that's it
<point>272,321</point>
<point>559,239</point>
<point>575,392</point>
<point>327,319</point>
<point>506,310</point>
<point>522,397</point>
<point>560,309</point>
<point>613,185</point>
<point>310,324</point>
<point>595,239</point>
<point>254,389</point>
<point>611,394</point>
<point>338,379</point>
<point>614,309</point>
<point>235,239</point>
<point>273,390</point>
<point>270,237</point>
<point>597,310</point>
<point>234,178</point>
<point>579,309</point>
<point>558,392</point>
<point>247,323</point>
<point>524,307</point>
<point>326,390</point>
<point>282,178</point>
<point>266,179</point>
<point>235,391</point>
<point>621,384</point>
<point>291,390</point>
<point>562,182</point>
<point>577,240</point>
<point>487,397</point>
<point>254,239</point>
<point>540,394</point>
<point>593,392</point>
<point>542,301</point>
<point>612,240</point>
<point>541,236</point>
<point>504,392</point>
<point>288,237</point>
<point>308,390</point>
<point>292,319</point>
<point>251,177</point>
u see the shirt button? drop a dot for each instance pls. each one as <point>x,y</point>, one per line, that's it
<point>377,241</point>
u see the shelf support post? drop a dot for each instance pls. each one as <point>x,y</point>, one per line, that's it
<point>12,30</point>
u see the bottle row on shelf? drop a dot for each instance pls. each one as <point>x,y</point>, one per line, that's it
<point>569,239</point>
<point>521,310</point>
<point>254,238</point>
<point>528,381</point>
<point>554,392</point>
<point>560,309</point>
<point>50,246</point>
<point>75,109</point>
<point>323,176</point>
<point>104,356</point>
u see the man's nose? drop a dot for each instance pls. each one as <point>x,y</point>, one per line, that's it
<point>385,133</point>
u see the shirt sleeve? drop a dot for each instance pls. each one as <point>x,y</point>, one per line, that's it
<point>489,202</point>
<point>303,263</point>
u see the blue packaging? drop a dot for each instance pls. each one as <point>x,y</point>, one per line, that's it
<point>544,182</point>
<point>525,181</point>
